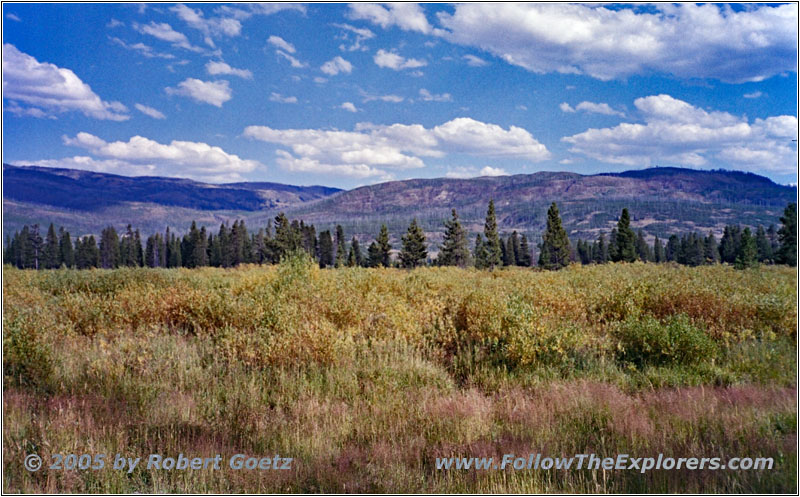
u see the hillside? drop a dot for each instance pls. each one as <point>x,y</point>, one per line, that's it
<point>661,200</point>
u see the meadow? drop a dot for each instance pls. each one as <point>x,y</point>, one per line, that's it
<point>366,376</point>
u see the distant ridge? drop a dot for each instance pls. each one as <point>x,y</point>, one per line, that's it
<point>662,201</point>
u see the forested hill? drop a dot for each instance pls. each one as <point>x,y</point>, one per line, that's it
<point>661,201</point>
<point>90,191</point>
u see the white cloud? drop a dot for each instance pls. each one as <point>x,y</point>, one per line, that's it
<point>393,61</point>
<point>406,16</point>
<point>279,42</point>
<point>367,97</point>
<point>164,32</point>
<point>179,158</point>
<point>143,49</point>
<point>676,132</point>
<point>277,97</point>
<point>219,67</point>
<point>361,35</point>
<point>348,106</point>
<point>244,11</point>
<point>336,65</point>
<point>209,27</point>
<point>430,97</point>
<point>370,149</point>
<point>13,17</point>
<point>114,23</point>
<point>591,107</point>
<point>47,89</point>
<point>320,80</point>
<point>685,40</point>
<point>292,60</point>
<point>149,111</point>
<point>755,94</point>
<point>211,92</point>
<point>475,61</point>
<point>464,172</point>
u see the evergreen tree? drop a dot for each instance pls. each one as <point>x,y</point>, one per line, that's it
<point>455,246</point>
<point>711,250</point>
<point>730,245</point>
<point>341,249</point>
<point>492,244</point>
<point>384,247</point>
<point>601,252</point>
<point>763,246</point>
<point>584,252</point>
<point>772,235</point>
<point>50,249</point>
<point>325,249</point>
<point>787,234</point>
<point>748,251</point>
<point>625,246</point>
<point>524,257</point>
<point>109,248</point>
<point>480,254</point>
<point>515,248</point>
<point>66,254</point>
<point>673,248</point>
<point>373,255</point>
<point>658,251</point>
<point>555,248</point>
<point>643,251</point>
<point>413,253</point>
<point>354,257</point>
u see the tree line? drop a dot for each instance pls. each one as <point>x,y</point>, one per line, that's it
<point>234,245</point>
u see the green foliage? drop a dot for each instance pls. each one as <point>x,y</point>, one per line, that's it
<point>493,252</point>
<point>646,341</point>
<point>625,240</point>
<point>414,252</point>
<point>27,358</point>
<point>455,246</point>
<point>555,249</point>
<point>788,236</point>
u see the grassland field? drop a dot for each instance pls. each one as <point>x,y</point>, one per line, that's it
<point>365,376</point>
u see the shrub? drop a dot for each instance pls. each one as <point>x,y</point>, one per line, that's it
<point>648,341</point>
<point>27,359</point>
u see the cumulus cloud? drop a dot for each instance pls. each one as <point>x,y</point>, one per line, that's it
<point>371,149</point>
<point>164,32</point>
<point>430,97</point>
<point>591,107</point>
<point>211,92</point>
<point>463,172</point>
<point>277,97</point>
<point>677,132</point>
<point>140,155</point>
<point>360,34</point>
<point>292,60</point>
<point>149,111</point>
<point>685,40</point>
<point>143,49</point>
<point>397,62</point>
<point>212,27</point>
<point>406,16</point>
<point>41,89</point>
<point>348,106</point>
<point>475,61</point>
<point>244,11</point>
<point>279,42</point>
<point>218,67</point>
<point>336,65</point>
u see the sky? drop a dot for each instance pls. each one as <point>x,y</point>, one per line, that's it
<point>347,95</point>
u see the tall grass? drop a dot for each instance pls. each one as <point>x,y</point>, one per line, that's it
<point>365,376</point>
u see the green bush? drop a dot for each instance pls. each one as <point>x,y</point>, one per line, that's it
<point>27,359</point>
<point>648,341</point>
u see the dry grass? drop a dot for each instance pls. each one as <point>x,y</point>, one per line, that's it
<point>366,376</point>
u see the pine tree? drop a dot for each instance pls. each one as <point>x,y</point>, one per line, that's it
<point>50,249</point>
<point>613,254</point>
<point>325,249</point>
<point>413,253</point>
<point>763,246</point>
<point>673,248</point>
<point>66,254</point>
<point>787,235</point>
<point>524,255</point>
<point>711,250</point>
<point>658,251</point>
<point>772,235</point>
<point>748,251</point>
<point>492,244</point>
<point>384,247</point>
<point>373,255</point>
<point>109,248</point>
<point>643,251</point>
<point>601,252</point>
<point>555,252</point>
<point>480,254</point>
<point>730,245</point>
<point>455,246</point>
<point>625,239</point>
<point>341,249</point>
<point>354,256</point>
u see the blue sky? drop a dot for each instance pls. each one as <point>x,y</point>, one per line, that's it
<point>346,95</point>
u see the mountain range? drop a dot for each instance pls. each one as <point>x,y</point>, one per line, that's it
<point>661,200</point>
